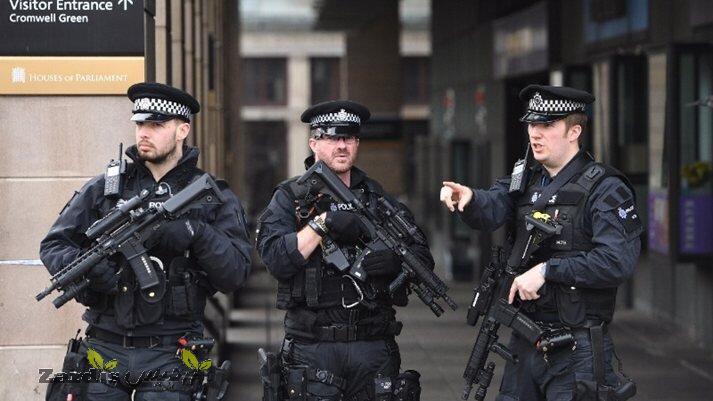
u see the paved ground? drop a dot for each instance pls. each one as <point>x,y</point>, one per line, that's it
<point>662,360</point>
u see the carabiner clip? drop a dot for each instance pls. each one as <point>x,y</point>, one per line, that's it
<point>359,291</point>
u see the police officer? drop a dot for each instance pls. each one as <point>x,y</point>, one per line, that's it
<point>197,255</point>
<point>571,281</point>
<point>339,334</point>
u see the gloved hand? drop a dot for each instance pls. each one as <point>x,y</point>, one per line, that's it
<point>102,277</point>
<point>176,235</point>
<point>345,227</point>
<point>381,263</point>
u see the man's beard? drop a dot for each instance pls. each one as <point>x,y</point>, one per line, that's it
<point>341,168</point>
<point>160,158</point>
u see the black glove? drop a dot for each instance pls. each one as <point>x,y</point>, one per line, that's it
<point>381,263</point>
<point>176,235</point>
<point>102,277</point>
<point>345,227</point>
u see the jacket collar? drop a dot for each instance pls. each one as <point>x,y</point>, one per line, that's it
<point>189,159</point>
<point>580,154</point>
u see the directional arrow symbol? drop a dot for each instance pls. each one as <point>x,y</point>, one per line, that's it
<point>125,3</point>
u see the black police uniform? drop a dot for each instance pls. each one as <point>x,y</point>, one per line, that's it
<point>339,350</point>
<point>595,252</point>
<point>143,335</point>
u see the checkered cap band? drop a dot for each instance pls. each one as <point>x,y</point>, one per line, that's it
<point>342,117</point>
<point>161,106</point>
<point>554,105</point>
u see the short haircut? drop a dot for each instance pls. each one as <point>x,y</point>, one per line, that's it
<point>576,119</point>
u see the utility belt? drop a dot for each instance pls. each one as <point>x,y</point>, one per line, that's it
<point>286,382</point>
<point>132,341</point>
<point>348,333</point>
<point>547,335</point>
<point>552,336</point>
<point>303,324</point>
<point>212,387</point>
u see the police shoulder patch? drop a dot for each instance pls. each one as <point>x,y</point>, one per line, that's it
<point>628,216</point>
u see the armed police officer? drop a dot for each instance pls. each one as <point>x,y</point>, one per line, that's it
<point>339,332</point>
<point>204,251</point>
<point>570,281</point>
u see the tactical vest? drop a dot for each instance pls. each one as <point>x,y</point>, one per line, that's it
<point>568,206</point>
<point>318,286</point>
<point>183,289</point>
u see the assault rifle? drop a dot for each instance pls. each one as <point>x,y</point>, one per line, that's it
<point>389,229</point>
<point>490,303</point>
<point>124,230</point>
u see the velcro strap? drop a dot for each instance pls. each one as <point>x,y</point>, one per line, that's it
<point>596,334</point>
<point>311,285</point>
<point>326,377</point>
<point>298,283</point>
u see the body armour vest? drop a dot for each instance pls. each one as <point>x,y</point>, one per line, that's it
<point>573,306</point>
<point>183,289</point>
<point>320,286</point>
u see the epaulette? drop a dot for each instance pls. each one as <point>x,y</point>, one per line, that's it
<point>597,172</point>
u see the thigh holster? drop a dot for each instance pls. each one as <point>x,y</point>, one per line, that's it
<point>75,363</point>
<point>599,390</point>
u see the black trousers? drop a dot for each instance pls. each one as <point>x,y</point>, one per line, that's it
<point>358,362</point>
<point>554,378</point>
<point>134,362</point>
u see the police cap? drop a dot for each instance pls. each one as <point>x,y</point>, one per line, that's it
<point>551,103</point>
<point>158,102</point>
<point>336,118</point>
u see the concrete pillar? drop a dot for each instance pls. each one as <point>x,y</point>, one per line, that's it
<point>298,100</point>
<point>177,44</point>
<point>162,44</point>
<point>232,88</point>
<point>52,146</point>
<point>372,62</point>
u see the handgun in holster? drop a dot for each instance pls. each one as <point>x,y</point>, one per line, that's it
<point>270,375</point>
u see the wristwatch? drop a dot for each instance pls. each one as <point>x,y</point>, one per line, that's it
<point>319,226</point>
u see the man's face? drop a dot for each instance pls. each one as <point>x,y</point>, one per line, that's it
<point>552,143</point>
<point>158,141</point>
<point>339,153</point>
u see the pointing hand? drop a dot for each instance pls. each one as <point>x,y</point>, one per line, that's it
<point>453,194</point>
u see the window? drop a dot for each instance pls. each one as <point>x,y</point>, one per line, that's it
<point>325,79</point>
<point>696,120</point>
<point>266,165</point>
<point>695,153</point>
<point>415,71</point>
<point>264,81</point>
